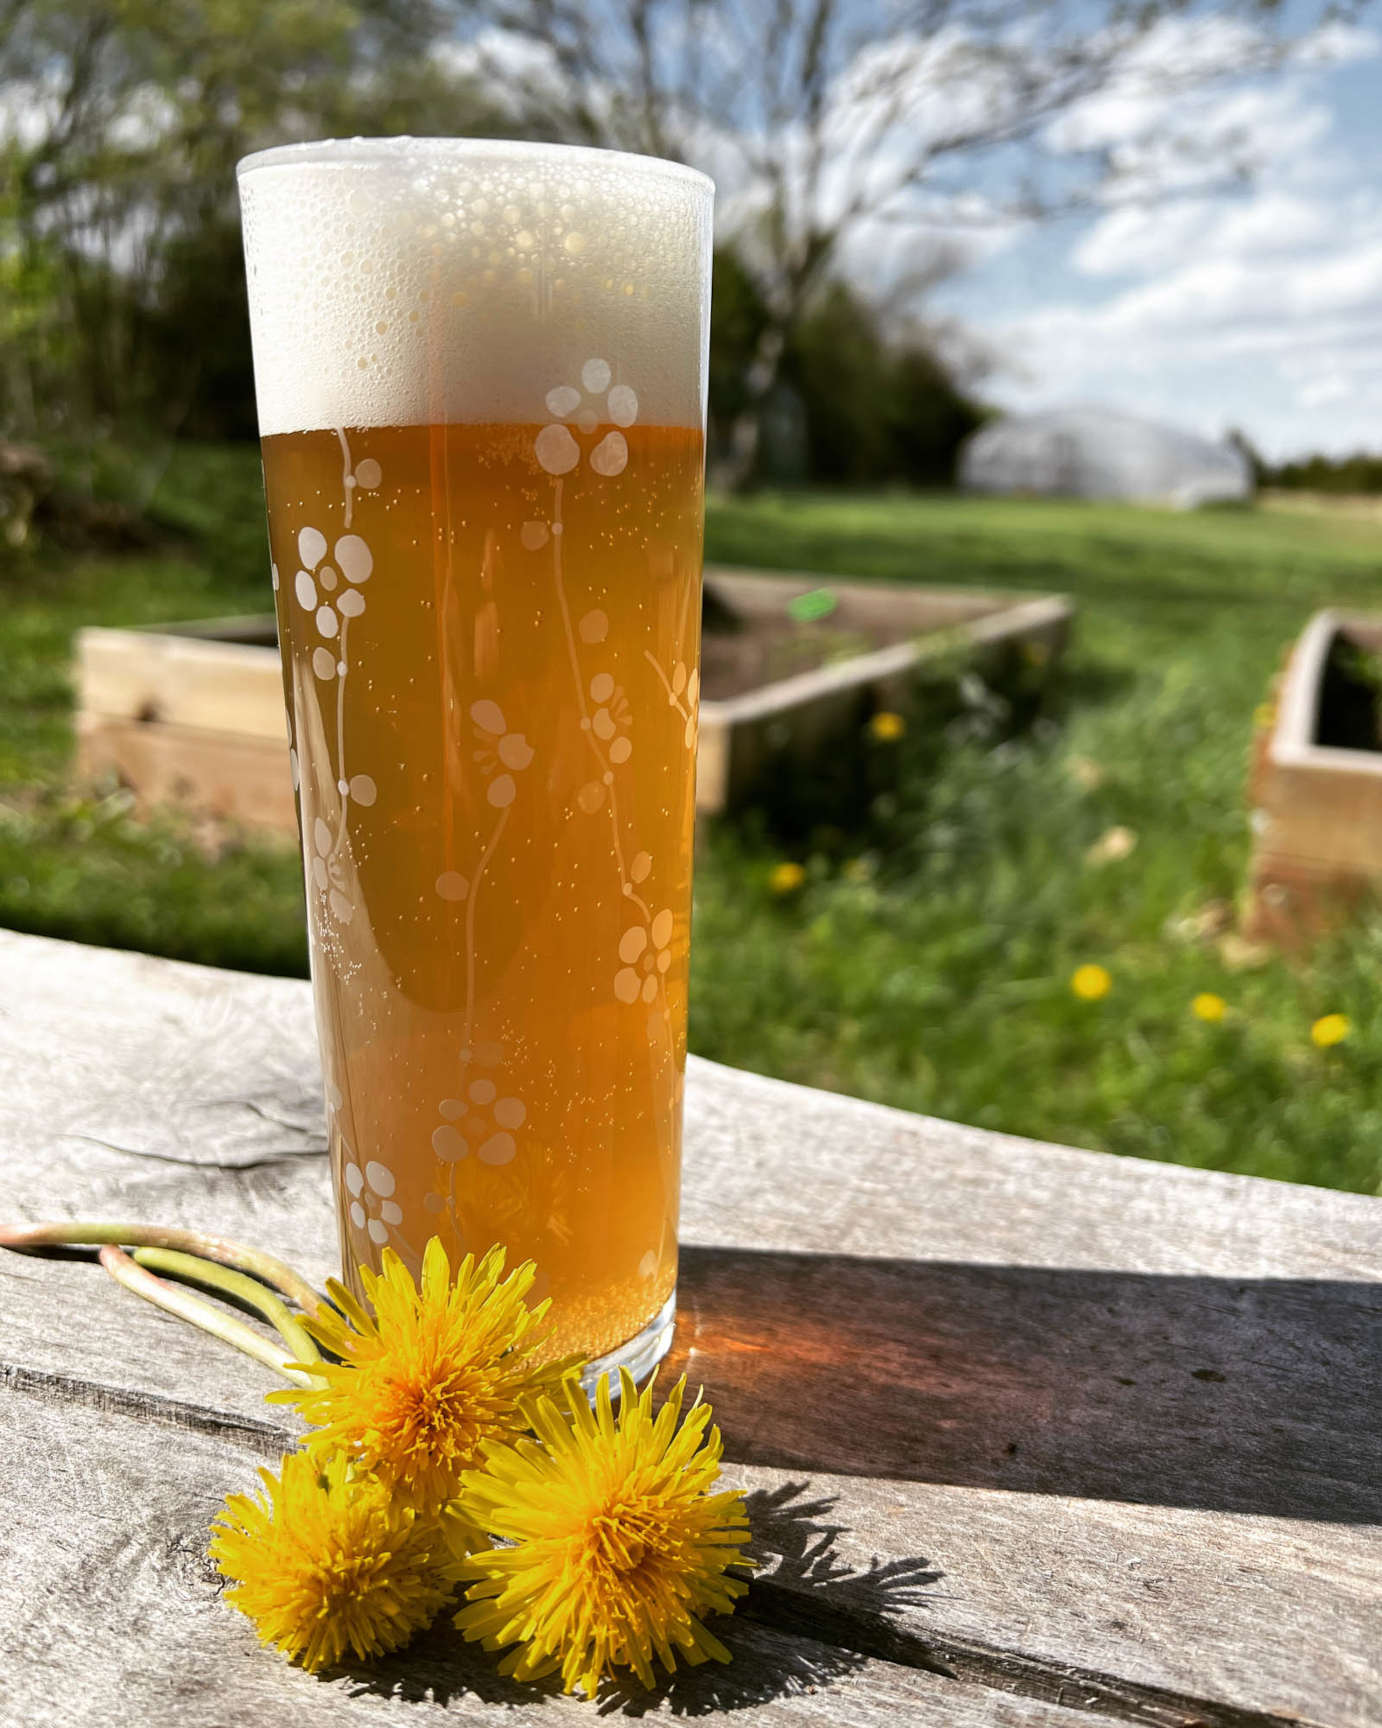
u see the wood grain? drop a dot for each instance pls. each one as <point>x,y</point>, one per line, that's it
<point>234,779</point>
<point>1074,1429</point>
<point>114,1614</point>
<point>178,680</point>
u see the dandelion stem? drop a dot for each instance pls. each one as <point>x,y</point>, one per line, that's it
<point>76,1232</point>
<point>189,1307</point>
<point>237,1284</point>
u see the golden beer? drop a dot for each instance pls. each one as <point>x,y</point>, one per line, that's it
<point>490,631</point>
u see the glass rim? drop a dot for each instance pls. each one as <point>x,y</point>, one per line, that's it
<point>355,152</point>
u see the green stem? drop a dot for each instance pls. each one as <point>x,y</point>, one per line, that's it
<point>189,1307</point>
<point>75,1232</point>
<point>236,1284</point>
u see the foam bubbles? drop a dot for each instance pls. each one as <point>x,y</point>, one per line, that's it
<point>407,281</point>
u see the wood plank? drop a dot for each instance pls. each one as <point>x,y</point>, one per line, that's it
<point>176,680</point>
<point>1131,1426</point>
<point>218,774</point>
<point>115,1599</point>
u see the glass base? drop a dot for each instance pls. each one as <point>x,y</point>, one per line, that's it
<point>639,1354</point>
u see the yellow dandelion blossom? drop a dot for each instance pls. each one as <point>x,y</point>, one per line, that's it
<point>1330,1029</point>
<point>887,727</point>
<point>1091,983</point>
<point>619,1547</point>
<point>327,1565</point>
<point>786,878</point>
<point>1207,1006</point>
<point>431,1373</point>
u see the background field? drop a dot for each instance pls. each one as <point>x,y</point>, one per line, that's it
<point>925,959</point>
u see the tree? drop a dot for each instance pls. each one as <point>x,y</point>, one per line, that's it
<point>859,137</point>
<point>118,221</point>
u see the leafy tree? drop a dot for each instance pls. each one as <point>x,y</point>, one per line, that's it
<point>118,224</point>
<point>1360,472</point>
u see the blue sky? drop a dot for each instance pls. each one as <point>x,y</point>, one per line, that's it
<point>1260,309</point>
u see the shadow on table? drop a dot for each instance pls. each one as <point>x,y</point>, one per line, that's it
<point>1231,1394</point>
<point>800,1628</point>
<point>806,1622</point>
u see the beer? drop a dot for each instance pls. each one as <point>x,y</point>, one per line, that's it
<point>490,631</point>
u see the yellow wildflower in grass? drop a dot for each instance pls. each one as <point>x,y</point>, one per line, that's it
<point>886,727</point>
<point>328,1565</point>
<point>786,878</point>
<point>1209,1007</point>
<point>433,1372</point>
<point>1330,1029</point>
<point>619,1547</point>
<point>1091,983</point>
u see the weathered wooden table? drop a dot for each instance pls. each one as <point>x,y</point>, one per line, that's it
<point>1033,1436</point>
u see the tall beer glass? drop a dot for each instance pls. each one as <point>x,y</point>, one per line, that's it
<point>480,371</point>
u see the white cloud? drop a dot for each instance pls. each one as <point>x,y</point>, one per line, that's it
<point>1261,309</point>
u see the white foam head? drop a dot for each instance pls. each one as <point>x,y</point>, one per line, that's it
<point>410,281</point>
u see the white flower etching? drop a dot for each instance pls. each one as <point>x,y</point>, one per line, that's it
<point>373,1208</point>
<point>331,591</point>
<point>501,753</point>
<point>487,1125</point>
<point>646,952</point>
<point>595,404</point>
<point>683,694</point>
<point>611,717</point>
<point>329,873</point>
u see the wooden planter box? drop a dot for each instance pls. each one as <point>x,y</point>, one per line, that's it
<point>1317,808</point>
<point>795,721</point>
<point>192,714</point>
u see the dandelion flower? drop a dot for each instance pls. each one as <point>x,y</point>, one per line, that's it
<point>619,1547</point>
<point>434,1371</point>
<point>1113,845</point>
<point>1091,983</point>
<point>327,1564</point>
<point>1086,773</point>
<point>1330,1029</point>
<point>1209,1007</point>
<point>786,878</point>
<point>887,727</point>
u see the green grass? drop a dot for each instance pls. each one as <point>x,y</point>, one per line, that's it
<point>926,959</point>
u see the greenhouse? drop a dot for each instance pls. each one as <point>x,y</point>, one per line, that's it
<point>1099,453</point>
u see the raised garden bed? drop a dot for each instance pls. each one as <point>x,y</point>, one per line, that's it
<point>792,669</point>
<point>1316,785</point>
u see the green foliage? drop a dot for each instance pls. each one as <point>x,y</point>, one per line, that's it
<point>118,222</point>
<point>738,318</point>
<point>1337,474</point>
<point>83,868</point>
<point>925,960</point>
<point>875,410</point>
<point>927,964</point>
<point>872,410</point>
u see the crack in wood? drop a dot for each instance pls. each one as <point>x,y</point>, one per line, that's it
<point>266,1437</point>
<point>262,1161</point>
<point>265,1116</point>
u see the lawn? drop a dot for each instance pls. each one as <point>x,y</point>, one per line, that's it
<point>925,958</point>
